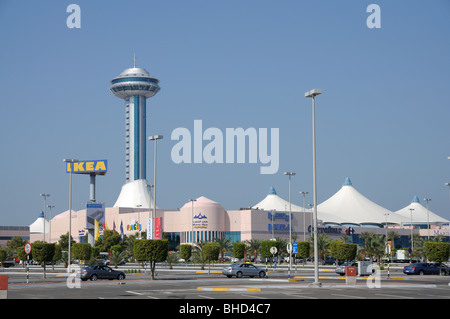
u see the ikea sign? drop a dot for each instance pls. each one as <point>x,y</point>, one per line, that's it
<point>98,167</point>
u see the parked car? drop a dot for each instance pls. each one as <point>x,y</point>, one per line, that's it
<point>341,269</point>
<point>243,269</point>
<point>330,261</point>
<point>426,269</point>
<point>100,272</point>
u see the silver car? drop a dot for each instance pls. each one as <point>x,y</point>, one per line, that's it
<point>243,269</point>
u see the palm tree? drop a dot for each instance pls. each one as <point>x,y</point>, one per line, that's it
<point>225,245</point>
<point>197,253</point>
<point>253,245</point>
<point>323,245</point>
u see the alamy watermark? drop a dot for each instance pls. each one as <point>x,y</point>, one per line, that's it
<point>235,146</point>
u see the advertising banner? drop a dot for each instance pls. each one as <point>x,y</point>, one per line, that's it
<point>158,228</point>
<point>94,212</point>
<point>149,228</point>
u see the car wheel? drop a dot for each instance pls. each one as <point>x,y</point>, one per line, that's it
<point>94,277</point>
<point>121,277</point>
<point>421,272</point>
<point>229,276</point>
<point>262,274</point>
<point>239,274</point>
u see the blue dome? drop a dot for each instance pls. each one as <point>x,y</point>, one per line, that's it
<point>348,182</point>
<point>415,200</point>
<point>272,191</point>
<point>41,215</point>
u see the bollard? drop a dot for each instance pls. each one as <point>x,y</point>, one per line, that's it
<point>3,286</point>
<point>350,275</point>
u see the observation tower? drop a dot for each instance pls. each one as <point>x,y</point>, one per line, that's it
<point>135,86</point>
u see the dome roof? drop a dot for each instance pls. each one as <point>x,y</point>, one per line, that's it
<point>420,215</point>
<point>275,202</point>
<point>203,202</point>
<point>38,225</point>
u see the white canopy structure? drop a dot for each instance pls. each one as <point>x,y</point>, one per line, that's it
<point>275,202</point>
<point>420,215</point>
<point>37,227</point>
<point>349,207</point>
<point>135,194</point>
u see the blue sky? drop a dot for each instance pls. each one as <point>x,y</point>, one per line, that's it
<point>383,119</point>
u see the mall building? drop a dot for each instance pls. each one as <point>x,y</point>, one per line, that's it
<point>347,212</point>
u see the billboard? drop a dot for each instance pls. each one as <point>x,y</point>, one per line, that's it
<point>99,167</point>
<point>94,212</point>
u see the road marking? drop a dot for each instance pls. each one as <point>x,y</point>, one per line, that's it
<point>134,292</point>
<point>395,296</point>
<point>348,296</point>
<point>206,297</point>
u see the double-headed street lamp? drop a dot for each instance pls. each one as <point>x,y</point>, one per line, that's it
<point>70,161</point>
<point>313,93</point>
<point>428,218</point>
<point>45,207</point>
<point>192,221</point>
<point>154,138</point>
<point>304,215</point>
<point>290,221</point>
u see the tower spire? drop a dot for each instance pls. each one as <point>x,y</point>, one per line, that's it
<point>134,64</point>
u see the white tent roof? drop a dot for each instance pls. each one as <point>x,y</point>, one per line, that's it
<point>419,214</point>
<point>135,194</point>
<point>38,225</point>
<point>351,207</point>
<point>275,202</point>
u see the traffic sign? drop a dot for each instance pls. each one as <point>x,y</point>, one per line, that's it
<point>27,248</point>
<point>273,250</point>
<point>295,247</point>
<point>288,248</point>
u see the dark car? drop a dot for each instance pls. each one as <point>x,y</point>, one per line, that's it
<point>101,272</point>
<point>426,269</point>
<point>243,269</point>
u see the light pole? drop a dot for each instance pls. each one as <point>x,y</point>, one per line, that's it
<point>149,234</point>
<point>154,138</point>
<point>50,224</point>
<point>312,94</point>
<point>192,221</point>
<point>290,221</point>
<point>428,218</point>
<point>45,206</point>
<point>70,161</point>
<point>412,227</point>
<point>304,215</point>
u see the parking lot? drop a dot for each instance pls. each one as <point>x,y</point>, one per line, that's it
<point>193,283</point>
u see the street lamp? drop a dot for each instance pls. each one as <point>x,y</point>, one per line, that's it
<point>192,220</point>
<point>290,221</point>
<point>154,138</point>
<point>50,224</point>
<point>312,94</point>
<point>304,215</point>
<point>45,206</point>
<point>412,227</point>
<point>428,218</point>
<point>70,161</point>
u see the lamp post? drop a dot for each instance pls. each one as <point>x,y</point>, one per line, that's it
<point>290,221</point>
<point>45,206</point>
<point>50,224</point>
<point>428,218</point>
<point>154,138</point>
<point>304,215</point>
<point>412,227</point>
<point>192,220</point>
<point>70,161</point>
<point>149,234</point>
<point>312,94</point>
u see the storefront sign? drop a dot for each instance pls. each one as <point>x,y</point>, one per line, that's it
<point>200,221</point>
<point>326,230</point>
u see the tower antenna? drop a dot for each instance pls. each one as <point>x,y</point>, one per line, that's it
<point>135,60</point>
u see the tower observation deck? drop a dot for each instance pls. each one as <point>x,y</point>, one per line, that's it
<point>135,86</point>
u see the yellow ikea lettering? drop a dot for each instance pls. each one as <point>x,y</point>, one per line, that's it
<point>100,166</point>
<point>78,167</point>
<point>89,166</point>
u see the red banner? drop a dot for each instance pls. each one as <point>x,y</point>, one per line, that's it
<point>158,226</point>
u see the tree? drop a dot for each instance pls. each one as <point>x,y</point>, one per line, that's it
<point>211,252</point>
<point>437,252</point>
<point>185,252</point>
<point>346,251</point>
<point>225,245</point>
<point>238,250</point>
<point>43,252</point>
<point>81,251</point>
<point>253,245</point>
<point>303,250</point>
<point>198,253</point>
<point>2,255</point>
<point>152,251</point>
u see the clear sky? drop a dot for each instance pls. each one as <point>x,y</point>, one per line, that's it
<point>382,120</point>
